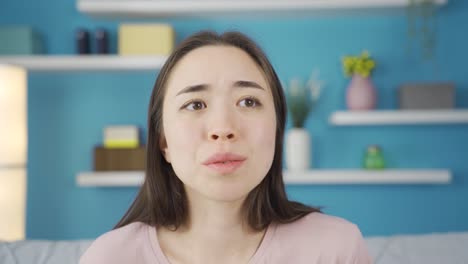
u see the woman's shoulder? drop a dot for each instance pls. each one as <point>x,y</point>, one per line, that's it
<point>322,236</point>
<point>116,245</point>
<point>320,225</point>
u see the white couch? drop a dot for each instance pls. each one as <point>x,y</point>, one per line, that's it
<point>42,251</point>
<point>437,248</point>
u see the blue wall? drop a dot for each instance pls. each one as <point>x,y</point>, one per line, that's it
<point>67,112</point>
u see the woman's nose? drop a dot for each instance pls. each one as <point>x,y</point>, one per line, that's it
<point>223,135</point>
<point>222,126</point>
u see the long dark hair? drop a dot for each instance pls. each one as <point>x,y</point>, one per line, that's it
<point>162,200</point>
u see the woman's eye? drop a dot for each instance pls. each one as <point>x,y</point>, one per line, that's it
<point>250,102</point>
<point>194,106</point>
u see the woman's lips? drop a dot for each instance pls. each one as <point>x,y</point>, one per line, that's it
<point>225,167</point>
<point>225,163</point>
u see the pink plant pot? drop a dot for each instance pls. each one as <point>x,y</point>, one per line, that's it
<point>361,94</point>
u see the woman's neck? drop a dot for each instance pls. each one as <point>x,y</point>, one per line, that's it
<point>215,233</point>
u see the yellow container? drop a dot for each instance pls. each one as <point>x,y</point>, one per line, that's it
<point>146,39</point>
<point>111,144</point>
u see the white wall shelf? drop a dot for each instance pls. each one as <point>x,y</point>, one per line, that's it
<point>399,117</point>
<point>110,178</point>
<point>85,62</point>
<point>389,176</point>
<point>162,8</point>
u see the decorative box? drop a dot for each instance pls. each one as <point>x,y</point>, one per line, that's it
<point>145,39</point>
<point>106,159</point>
<point>427,96</point>
<point>19,40</point>
<point>121,136</point>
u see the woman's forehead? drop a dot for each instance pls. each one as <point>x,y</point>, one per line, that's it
<point>214,65</point>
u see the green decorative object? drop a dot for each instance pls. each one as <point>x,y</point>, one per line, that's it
<point>373,159</point>
<point>20,40</point>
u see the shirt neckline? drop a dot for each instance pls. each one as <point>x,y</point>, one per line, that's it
<point>153,242</point>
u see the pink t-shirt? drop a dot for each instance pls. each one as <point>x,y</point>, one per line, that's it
<point>315,238</point>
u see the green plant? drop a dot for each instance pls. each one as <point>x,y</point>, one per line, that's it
<point>422,26</point>
<point>362,65</point>
<point>302,98</point>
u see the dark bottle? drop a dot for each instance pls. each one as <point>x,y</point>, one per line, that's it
<point>102,41</point>
<point>82,41</point>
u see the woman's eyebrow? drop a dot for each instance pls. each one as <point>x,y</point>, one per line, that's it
<point>248,84</point>
<point>193,88</point>
<point>205,87</point>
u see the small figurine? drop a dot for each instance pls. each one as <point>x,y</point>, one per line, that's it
<point>373,159</point>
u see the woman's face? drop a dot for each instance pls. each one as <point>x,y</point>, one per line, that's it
<point>218,102</point>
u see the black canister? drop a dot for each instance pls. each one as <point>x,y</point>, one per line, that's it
<point>102,41</point>
<point>82,41</point>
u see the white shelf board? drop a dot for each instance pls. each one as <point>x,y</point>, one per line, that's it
<point>110,178</point>
<point>85,62</point>
<point>387,176</point>
<point>135,178</point>
<point>399,117</point>
<point>161,8</point>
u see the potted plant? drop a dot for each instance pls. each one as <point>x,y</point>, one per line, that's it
<point>301,100</point>
<point>422,26</point>
<point>361,93</point>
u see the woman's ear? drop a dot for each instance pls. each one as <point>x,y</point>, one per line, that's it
<point>165,151</point>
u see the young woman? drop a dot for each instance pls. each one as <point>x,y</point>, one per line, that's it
<point>214,190</point>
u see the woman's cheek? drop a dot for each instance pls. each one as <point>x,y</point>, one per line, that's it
<point>265,136</point>
<point>184,137</point>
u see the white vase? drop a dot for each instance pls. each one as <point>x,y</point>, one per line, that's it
<point>298,153</point>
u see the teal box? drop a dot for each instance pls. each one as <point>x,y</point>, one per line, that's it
<point>19,40</point>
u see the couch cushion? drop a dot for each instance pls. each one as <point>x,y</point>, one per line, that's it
<point>42,251</point>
